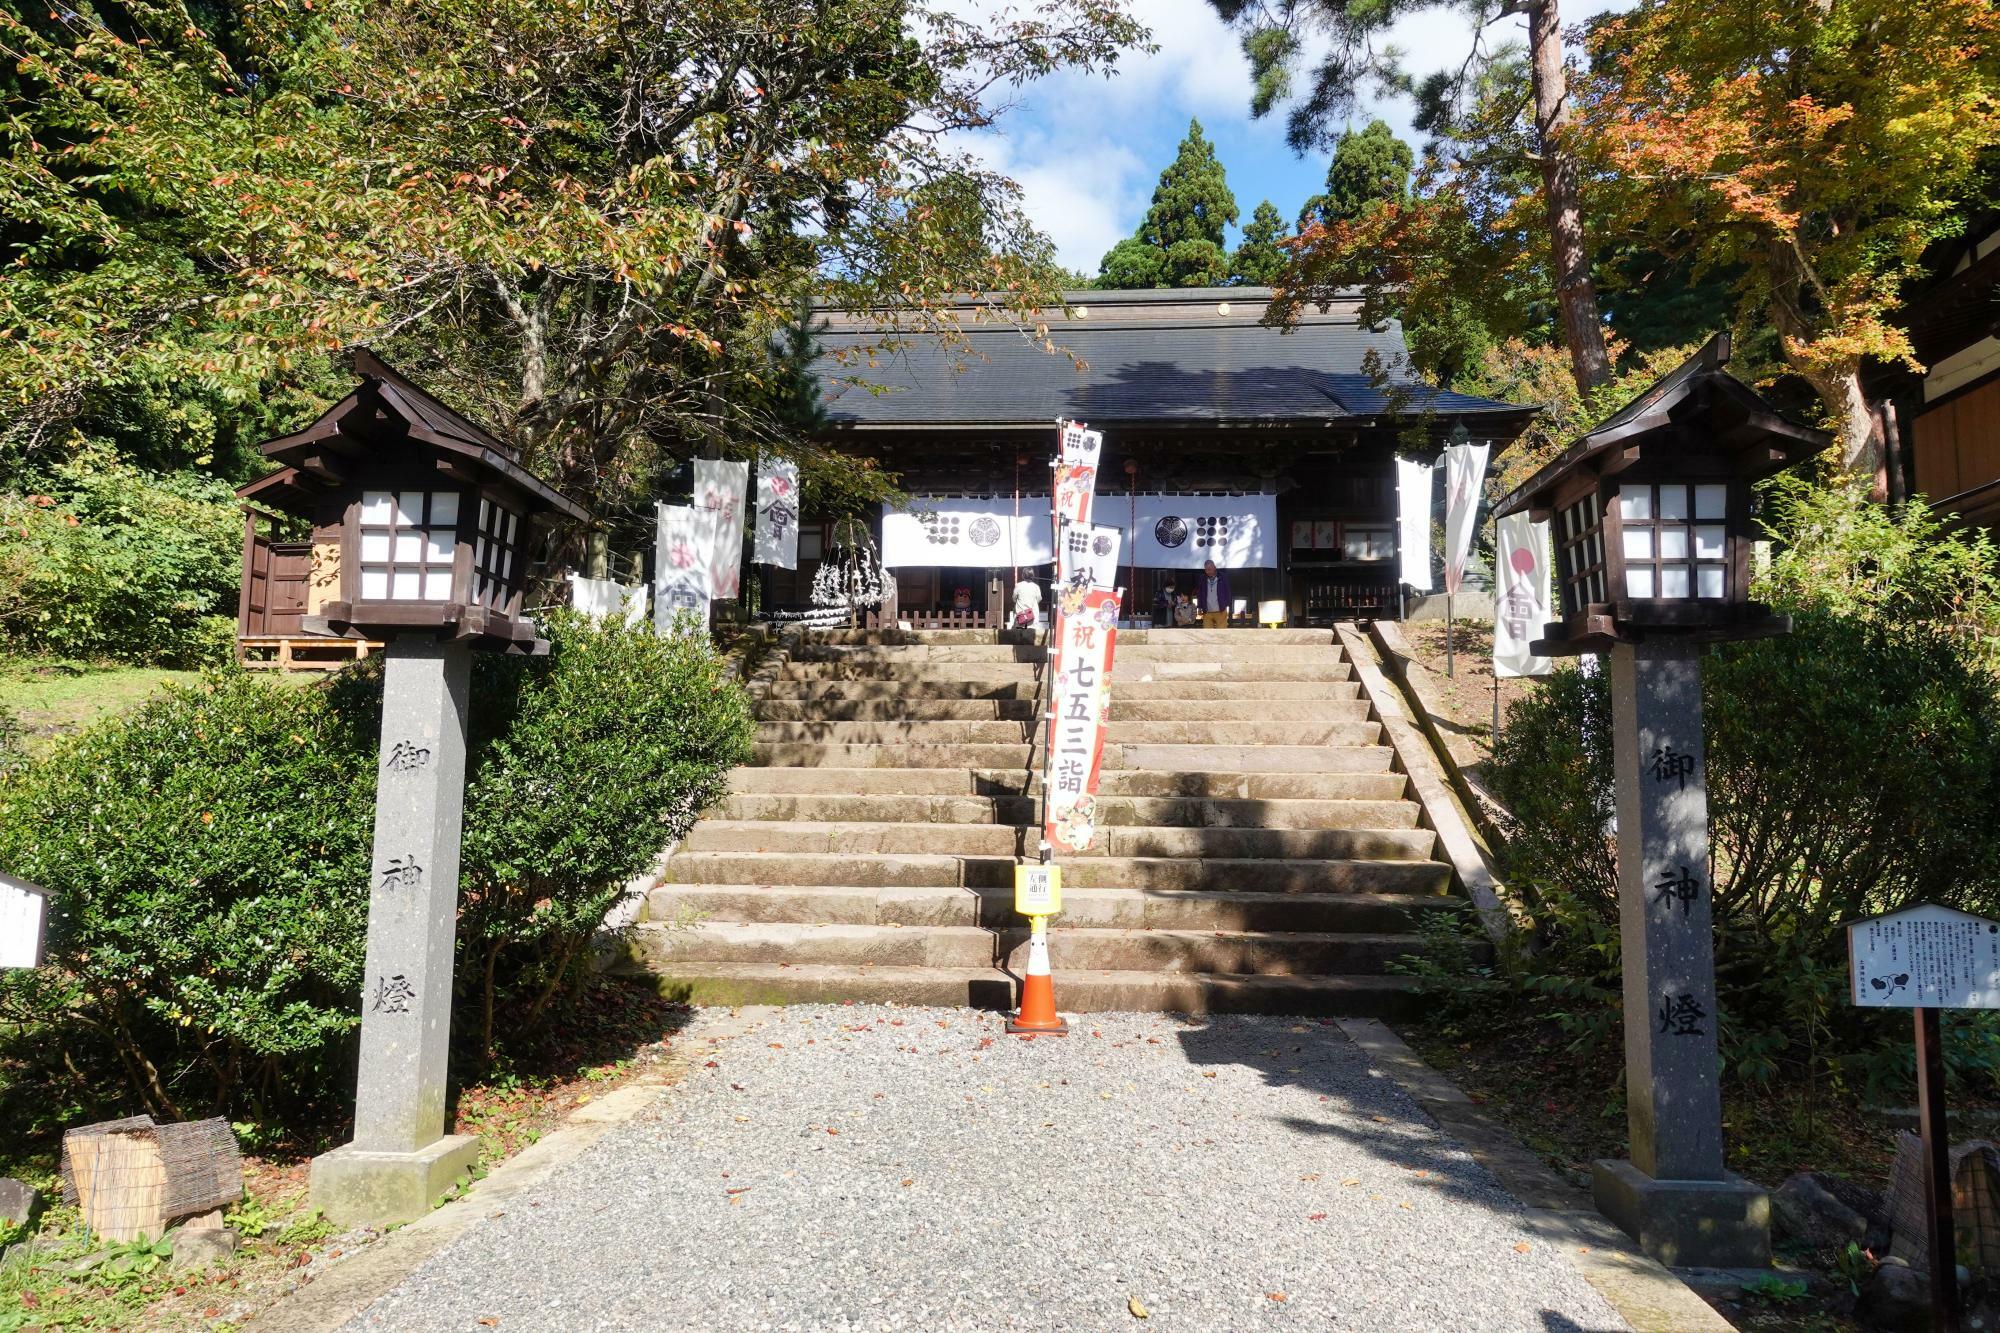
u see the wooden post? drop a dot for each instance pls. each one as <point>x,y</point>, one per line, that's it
<point>1937,1171</point>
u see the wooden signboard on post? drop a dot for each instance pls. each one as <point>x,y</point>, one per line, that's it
<point>1929,958</point>
<point>23,922</point>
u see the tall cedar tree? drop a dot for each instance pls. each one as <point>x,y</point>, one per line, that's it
<point>583,222</point>
<point>1277,35</point>
<point>1261,258</point>
<point>1369,167</point>
<point>1180,244</point>
<point>1809,151</point>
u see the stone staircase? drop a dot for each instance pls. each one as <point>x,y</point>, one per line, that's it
<point>1259,852</point>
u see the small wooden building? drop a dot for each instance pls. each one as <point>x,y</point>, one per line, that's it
<point>1204,409</point>
<point>392,513</point>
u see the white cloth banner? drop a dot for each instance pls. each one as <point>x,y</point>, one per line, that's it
<point>1464,476</point>
<point>1414,482</point>
<point>1076,472</point>
<point>603,598</point>
<point>1183,531</point>
<point>680,565</point>
<point>777,514</point>
<point>1090,557</point>
<point>1521,604</point>
<point>719,487</point>
<point>974,532</point>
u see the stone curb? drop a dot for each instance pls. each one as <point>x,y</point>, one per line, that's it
<point>355,1283</point>
<point>1649,1296</point>
<point>1418,684</point>
<point>1471,863</point>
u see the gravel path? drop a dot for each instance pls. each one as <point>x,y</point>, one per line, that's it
<point>862,1167</point>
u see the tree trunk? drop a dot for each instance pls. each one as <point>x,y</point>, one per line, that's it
<point>1576,294</point>
<point>1854,420</point>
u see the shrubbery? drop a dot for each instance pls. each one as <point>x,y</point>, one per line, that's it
<point>1854,768</point>
<point>210,855</point>
<point>115,562</point>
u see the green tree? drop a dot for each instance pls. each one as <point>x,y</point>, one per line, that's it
<point>1369,167</point>
<point>583,222</point>
<point>1346,42</point>
<point>1180,243</point>
<point>1260,260</point>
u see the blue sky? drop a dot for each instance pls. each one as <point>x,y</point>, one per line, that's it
<point>1087,151</point>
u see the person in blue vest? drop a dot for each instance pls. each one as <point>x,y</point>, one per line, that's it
<point>1212,597</point>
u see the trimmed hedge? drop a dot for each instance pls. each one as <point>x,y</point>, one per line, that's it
<point>210,856</point>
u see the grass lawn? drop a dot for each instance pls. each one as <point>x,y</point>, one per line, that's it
<point>52,696</point>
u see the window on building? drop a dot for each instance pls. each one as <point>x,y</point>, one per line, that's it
<point>495,548</point>
<point>408,539</point>
<point>1675,540</point>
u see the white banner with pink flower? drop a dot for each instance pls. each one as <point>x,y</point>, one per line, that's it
<point>681,580</point>
<point>1522,603</point>
<point>720,488</point>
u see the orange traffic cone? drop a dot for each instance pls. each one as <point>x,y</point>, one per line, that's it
<point>1038,988</point>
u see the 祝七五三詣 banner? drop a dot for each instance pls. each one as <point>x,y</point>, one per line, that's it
<point>1078,712</point>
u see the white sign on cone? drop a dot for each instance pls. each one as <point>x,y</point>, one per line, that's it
<point>1414,484</point>
<point>1464,471</point>
<point>1521,596</point>
<point>778,513</point>
<point>603,598</point>
<point>719,488</point>
<point>23,919</point>
<point>680,565</point>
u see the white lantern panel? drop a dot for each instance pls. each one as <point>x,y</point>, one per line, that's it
<point>407,586</point>
<point>444,508</point>
<point>437,585</point>
<point>438,547</point>
<point>1673,543</point>
<point>1710,542</point>
<point>1636,504</point>
<point>511,519</point>
<point>1710,579</point>
<point>375,546</point>
<point>409,546</point>
<point>374,584</point>
<point>1673,504</point>
<point>1673,580</point>
<point>1711,502</point>
<point>376,506</point>
<point>1638,543</point>
<point>1638,583</point>
<point>409,507</point>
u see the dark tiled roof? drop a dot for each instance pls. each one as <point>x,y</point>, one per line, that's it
<point>1142,366</point>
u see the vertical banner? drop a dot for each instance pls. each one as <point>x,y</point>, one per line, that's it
<point>1075,485</point>
<point>1413,522</point>
<point>603,598</point>
<point>1464,475</point>
<point>1521,604</point>
<point>778,513</point>
<point>1090,557</point>
<point>680,565</point>
<point>719,488</point>
<point>1078,712</point>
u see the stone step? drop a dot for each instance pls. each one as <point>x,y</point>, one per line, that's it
<point>1223,651</point>
<point>1120,732</point>
<point>870,637</point>
<point>986,674</point>
<point>1207,784</point>
<point>1155,949</point>
<point>842,838</point>
<point>901,709</point>
<point>1135,670</point>
<point>1162,812</point>
<point>1356,758</point>
<point>1076,991</point>
<point>1122,690</point>
<point>1109,909</point>
<point>911,869</point>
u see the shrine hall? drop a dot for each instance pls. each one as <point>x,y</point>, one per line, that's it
<point>1271,451</point>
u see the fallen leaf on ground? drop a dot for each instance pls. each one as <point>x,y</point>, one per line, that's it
<point>1208,1073</point>
<point>1278,1296</point>
<point>1523,1247</point>
<point>489,1321</point>
<point>1138,1310</point>
<point>1315,1217</point>
<point>908,1183</point>
<point>1352,1180</point>
<point>1310,1175</point>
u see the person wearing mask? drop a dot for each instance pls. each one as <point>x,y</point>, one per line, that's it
<point>1212,597</point>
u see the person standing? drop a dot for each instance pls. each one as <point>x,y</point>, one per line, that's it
<point>1212,596</point>
<point>1163,606</point>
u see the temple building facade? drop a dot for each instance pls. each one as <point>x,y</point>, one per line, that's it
<point>1271,451</point>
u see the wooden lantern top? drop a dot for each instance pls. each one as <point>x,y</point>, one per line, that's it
<point>391,436</point>
<point>1698,424</point>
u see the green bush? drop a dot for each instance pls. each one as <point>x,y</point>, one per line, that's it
<point>587,764</point>
<point>210,857</point>
<point>119,563</point>
<point>1853,768</point>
